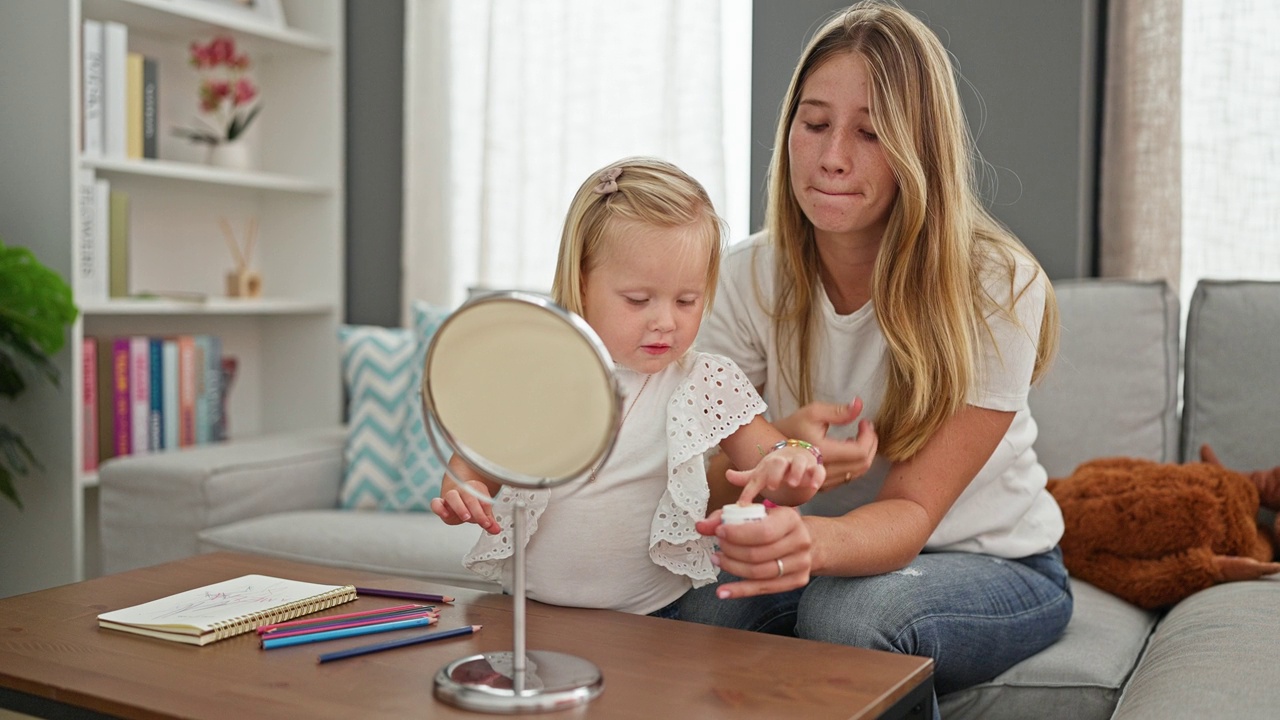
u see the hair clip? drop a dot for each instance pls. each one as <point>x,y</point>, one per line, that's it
<point>607,182</point>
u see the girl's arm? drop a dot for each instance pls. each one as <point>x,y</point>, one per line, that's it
<point>456,506</point>
<point>787,476</point>
<point>879,537</point>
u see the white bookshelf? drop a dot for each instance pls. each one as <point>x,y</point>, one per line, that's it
<point>285,341</point>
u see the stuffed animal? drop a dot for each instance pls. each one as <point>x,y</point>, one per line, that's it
<point>1154,533</point>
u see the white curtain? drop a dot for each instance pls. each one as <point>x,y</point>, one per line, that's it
<point>511,104</point>
<point>1191,150</point>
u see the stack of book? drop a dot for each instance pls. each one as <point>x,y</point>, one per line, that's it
<point>120,95</point>
<point>143,394</point>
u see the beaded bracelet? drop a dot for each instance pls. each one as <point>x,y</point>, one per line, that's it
<point>792,442</point>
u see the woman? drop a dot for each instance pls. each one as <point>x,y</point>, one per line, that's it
<point>880,274</point>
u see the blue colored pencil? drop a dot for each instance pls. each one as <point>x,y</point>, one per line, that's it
<point>378,647</point>
<point>355,622</point>
<point>270,643</point>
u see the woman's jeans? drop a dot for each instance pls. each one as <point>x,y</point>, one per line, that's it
<point>975,615</point>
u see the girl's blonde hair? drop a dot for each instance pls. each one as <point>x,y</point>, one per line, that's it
<point>643,190</point>
<point>940,243</point>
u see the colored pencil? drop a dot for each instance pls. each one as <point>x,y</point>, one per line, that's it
<point>333,618</point>
<point>379,647</point>
<point>356,622</point>
<point>270,643</point>
<point>405,594</point>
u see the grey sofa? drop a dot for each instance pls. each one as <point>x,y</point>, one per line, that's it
<point>1113,391</point>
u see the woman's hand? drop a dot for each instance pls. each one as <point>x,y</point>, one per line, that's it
<point>772,555</point>
<point>845,460</point>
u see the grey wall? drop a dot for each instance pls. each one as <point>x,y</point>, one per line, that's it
<point>1033,63</point>
<point>375,120</point>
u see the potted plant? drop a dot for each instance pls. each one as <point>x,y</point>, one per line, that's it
<point>227,96</point>
<point>35,309</point>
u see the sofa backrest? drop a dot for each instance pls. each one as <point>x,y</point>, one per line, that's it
<point>1231,396</point>
<point>1113,389</point>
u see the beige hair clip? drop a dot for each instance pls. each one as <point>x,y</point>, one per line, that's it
<point>607,182</point>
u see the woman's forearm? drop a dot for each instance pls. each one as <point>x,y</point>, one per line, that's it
<point>879,537</point>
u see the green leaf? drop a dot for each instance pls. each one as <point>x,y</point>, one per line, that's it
<point>16,459</point>
<point>35,303</point>
<point>241,123</point>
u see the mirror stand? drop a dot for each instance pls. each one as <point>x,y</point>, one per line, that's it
<point>518,681</point>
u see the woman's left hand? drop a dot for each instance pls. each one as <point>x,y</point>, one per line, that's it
<point>772,555</point>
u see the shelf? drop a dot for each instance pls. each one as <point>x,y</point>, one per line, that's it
<point>164,17</point>
<point>208,306</point>
<point>170,170</point>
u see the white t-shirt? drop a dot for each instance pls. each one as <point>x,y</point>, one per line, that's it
<point>626,540</point>
<point>1006,511</point>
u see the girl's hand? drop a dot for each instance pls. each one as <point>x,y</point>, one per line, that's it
<point>845,460</point>
<point>772,555</point>
<point>456,507</point>
<point>790,467</point>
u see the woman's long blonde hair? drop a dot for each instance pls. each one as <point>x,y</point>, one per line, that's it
<point>648,191</point>
<point>927,285</point>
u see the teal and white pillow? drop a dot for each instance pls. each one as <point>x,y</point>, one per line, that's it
<point>389,463</point>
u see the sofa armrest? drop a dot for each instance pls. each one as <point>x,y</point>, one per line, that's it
<point>152,507</point>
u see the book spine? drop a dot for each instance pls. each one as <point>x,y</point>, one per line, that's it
<point>90,258</point>
<point>106,399</point>
<point>115,51</point>
<point>186,390</point>
<point>140,393</point>
<point>89,405</point>
<point>118,244</point>
<point>208,402</point>
<point>150,109</point>
<point>91,89</point>
<point>133,106</point>
<point>101,237</point>
<point>155,419</point>
<point>121,402</point>
<point>169,354</point>
<point>202,389</point>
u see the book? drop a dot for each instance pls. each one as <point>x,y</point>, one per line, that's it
<point>169,378</point>
<point>208,403</point>
<point>91,281</point>
<point>155,419</point>
<point>133,105</point>
<point>140,393</point>
<point>121,401</point>
<point>150,108</point>
<point>91,90</point>
<point>118,243</point>
<point>226,609</point>
<point>115,51</point>
<point>186,390</point>
<point>106,404</point>
<point>89,405</point>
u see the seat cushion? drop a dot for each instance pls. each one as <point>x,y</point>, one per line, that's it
<point>1077,678</point>
<point>411,544</point>
<point>1113,389</point>
<point>1212,656</point>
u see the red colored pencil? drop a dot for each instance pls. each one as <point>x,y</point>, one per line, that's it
<point>331,618</point>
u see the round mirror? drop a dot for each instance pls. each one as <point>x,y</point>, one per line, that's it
<point>521,389</point>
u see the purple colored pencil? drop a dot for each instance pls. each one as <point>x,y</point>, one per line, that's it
<point>405,594</point>
<point>379,647</point>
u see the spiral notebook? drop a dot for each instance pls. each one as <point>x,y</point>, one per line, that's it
<point>225,609</point>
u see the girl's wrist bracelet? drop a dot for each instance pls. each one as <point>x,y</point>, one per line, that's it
<point>792,442</point>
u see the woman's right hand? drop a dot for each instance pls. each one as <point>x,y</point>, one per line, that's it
<point>845,460</point>
<point>772,555</point>
<point>455,506</point>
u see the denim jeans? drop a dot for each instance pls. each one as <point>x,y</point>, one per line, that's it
<point>975,615</point>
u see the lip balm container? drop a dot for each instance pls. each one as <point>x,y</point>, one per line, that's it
<point>735,514</point>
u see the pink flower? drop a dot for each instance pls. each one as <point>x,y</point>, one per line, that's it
<point>225,87</point>
<point>245,92</point>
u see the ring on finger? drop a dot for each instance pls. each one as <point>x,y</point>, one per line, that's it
<point>781,570</point>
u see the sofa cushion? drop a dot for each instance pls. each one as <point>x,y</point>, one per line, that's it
<point>411,544</point>
<point>389,462</point>
<point>1080,676</point>
<point>1233,334</point>
<point>1213,651</point>
<point>1130,330</point>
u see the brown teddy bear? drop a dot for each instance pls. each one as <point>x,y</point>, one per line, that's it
<point>1154,533</point>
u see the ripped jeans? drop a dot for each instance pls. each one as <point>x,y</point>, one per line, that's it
<point>975,615</point>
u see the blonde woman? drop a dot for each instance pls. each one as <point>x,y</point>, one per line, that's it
<point>882,288</point>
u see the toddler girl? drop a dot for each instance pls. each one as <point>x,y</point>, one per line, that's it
<point>639,258</point>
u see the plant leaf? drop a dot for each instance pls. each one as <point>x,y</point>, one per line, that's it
<point>35,303</point>
<point>16,459</point>
<point>241,123</point>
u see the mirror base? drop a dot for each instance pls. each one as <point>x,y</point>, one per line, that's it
<point>487,683</point>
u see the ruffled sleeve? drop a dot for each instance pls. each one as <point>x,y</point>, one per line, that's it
<point>712,401</point>
<point>488,555</point>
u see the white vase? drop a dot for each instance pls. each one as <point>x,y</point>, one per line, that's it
<point>230,155</point>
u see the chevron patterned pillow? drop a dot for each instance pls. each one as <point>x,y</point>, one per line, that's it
<point>389,463</point>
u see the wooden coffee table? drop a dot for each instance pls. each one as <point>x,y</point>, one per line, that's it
<point>56,662</point>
